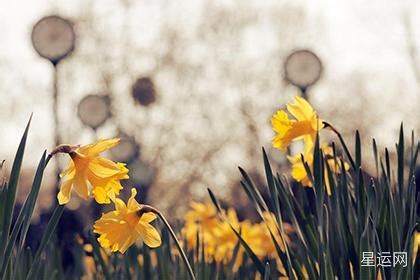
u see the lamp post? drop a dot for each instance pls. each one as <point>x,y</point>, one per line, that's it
<point>302,69</point>
<point>53,38</point>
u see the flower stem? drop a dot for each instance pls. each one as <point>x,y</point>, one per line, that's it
<point>147,208</point>
<point>346,150</point>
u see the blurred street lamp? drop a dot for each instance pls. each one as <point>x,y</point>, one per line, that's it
<point>93,110</point>
<point>302,69</point>
<point>143,91</point>
<point>127,151</point>
<point>53,38</point>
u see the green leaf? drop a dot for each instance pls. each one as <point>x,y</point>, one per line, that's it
<point>51,226</point>
<point>11,193</point>
<point>3,193</point>
<point>96,250</point>
<point>30,202</point>
<point>258,264</point>
<point>400,156</point>
<point>375,156</point>
<point>214,200</point>
<point>24,218</point>
<point>267,271</point>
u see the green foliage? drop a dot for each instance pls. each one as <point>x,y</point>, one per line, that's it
<point>12,237</point>
<point>363,214</point>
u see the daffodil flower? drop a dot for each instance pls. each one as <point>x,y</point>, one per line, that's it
<point>108,187</point>
<point>201,219</point>
<point>306,123</point>
<point>121,228</point>
<point>416,245</point>
<point>299,171</point>
<point>88,173</point>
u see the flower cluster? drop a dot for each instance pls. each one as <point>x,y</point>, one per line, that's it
<point>305,126</point>
<point>90,175</point>
<point>219,240</point>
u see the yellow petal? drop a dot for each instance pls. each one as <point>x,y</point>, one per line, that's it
<point>105,189</point>
<point>120,205</point>
<point>100,195</point>
<point>147,217</point>
<point>65,192</point>
<point>70,168</point>
<point>103,168</point>
<point>80,186</point>
<point>126,243</point>
<point>416,245</point>
<point>299,171</point>
<point>309,141</point>
<point>301,109</point>
<point>149,235</point>
<point>295,131</point>
<point>132,203</point>
<point>280,122</point>
<point>99,146</point>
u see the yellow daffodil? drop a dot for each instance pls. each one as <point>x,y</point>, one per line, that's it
<point>225,239</point>
<point>298,168</point>
<point>216,235</point>
<point>299,171</point>
<point>220,240</point>
<point>89,262</point>
<point>121,228</point>
<point>270,225</point>
<point>202,213</point>
<point>88,173</point>
<point>201,220</point>
<point>416,245</point>
<point>306,123</point>
<point>109,186</point>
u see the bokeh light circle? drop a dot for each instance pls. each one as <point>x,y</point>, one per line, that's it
<point>53,38</point>
<point>93,110</point>
<point>303,68</point>
<point>143,91</point>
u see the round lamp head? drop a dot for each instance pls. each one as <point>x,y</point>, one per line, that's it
<point>143,91</point>
<point>53,38</point>
<point>303,68</point>
<point>127,151</point>
<point>94,110</point>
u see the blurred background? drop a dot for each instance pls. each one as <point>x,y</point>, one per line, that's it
<point>190,86</point>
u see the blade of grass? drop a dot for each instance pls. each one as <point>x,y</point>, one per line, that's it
<point>51,226</point>
<point>11,192</point>
<point>258,264</point>
<point>32,198</point>
<point>400,167</point>
<point>25,215</point>
<point>96,250</point>
<point>267,271</point>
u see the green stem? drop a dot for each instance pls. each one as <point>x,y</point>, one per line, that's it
<point>146,209</point>
<point>346,150</point>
